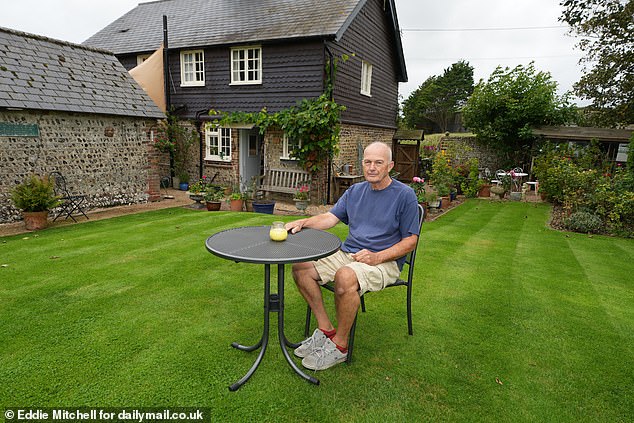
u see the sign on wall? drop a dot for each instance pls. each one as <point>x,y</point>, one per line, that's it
<point>19,130</point>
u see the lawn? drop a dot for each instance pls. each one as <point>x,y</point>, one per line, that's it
<point>512,322</point>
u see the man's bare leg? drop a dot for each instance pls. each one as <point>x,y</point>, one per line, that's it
<point>306,278</point>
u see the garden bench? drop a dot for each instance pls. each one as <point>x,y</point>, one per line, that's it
<point>285,181</point>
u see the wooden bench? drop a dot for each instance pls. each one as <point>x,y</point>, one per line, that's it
<point>286,181</point>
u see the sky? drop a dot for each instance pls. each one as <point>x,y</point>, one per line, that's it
<point>435,34</point>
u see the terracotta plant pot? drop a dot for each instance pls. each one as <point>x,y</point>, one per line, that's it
<point>445,201</point>
<point>35,220</point>
<point>213,205</point>
<point>236,205</point>
<point>485,191</point>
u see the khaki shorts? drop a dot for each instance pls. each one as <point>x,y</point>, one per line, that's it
<point>371,278</point>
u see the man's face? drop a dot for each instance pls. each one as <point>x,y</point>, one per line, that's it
<point>376,165</point>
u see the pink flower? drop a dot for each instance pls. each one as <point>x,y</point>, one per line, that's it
<point>418,180</point>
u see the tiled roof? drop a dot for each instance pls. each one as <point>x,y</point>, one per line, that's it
<point>198,23</point>
<point>41,73</point>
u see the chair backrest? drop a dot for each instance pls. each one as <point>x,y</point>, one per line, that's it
<point>411,257</point>
<point>60,183</point>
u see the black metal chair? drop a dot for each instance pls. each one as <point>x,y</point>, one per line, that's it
<point>70,203</point>
<point>409,261</point>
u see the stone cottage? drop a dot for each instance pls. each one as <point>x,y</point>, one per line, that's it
<point>74,109</point>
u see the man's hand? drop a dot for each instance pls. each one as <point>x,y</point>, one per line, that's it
<point>367,257</point>
<point>296,226</point>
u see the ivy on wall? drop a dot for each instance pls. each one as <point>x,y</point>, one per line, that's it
<point>315,122</point>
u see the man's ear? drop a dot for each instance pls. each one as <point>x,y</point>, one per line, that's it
<point>390,166</point>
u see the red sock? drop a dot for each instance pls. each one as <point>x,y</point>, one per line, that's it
<point>329,333</point>
<point>342,349</point>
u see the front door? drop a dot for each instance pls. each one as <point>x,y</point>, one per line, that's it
<point>250,156</point>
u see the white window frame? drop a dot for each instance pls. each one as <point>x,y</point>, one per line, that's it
<point>192,68</point>
<point>140,58</point>
<point>218,144</point>
<point>246,70</point>
<point>286,150</point>
<point>366,78</point>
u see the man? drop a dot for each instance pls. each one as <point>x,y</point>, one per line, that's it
<point>382,216</point>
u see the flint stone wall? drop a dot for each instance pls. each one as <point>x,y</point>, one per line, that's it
<point>110,159</point>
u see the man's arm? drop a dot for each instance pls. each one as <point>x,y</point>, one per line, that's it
<point>321,221</point>
<point>396,251</point>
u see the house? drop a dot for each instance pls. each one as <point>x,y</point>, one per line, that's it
<point>73,109</point>
<point>243,56</point>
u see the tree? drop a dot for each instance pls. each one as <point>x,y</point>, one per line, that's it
<point>605,28</point>
<point>502,111</point>
<point>439,98</point>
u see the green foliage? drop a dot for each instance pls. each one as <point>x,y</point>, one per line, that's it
<point>576,180</point>
<point>471,184</point>
<point>439,97</point>
<point>175,138</point>
<point>583,222</point>
<point>35,194</point>
<point>605,29</point>
<point>315,122</point>
<point>502,111</point>
<point>214,192</point>
<point>442,174</point>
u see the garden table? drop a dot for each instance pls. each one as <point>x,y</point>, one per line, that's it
<point>252,244</point>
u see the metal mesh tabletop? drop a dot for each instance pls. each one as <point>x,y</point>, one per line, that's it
<point>252,244</point>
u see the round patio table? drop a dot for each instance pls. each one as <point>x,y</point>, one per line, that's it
<point>252,244</point>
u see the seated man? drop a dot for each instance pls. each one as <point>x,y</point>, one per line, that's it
<point>382,216</point>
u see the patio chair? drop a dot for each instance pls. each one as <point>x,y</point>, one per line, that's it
<point>499,174</point>
<point>409,261</point>
<point>70,203</point>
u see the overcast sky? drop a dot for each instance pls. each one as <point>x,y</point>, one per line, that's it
<point>435,33</point>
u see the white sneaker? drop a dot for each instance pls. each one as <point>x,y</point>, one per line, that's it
<point>308,345</point>
<point>324,357</point>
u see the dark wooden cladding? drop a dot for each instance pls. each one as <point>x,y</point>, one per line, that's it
<point>370,38</point>
<point>294,70</point>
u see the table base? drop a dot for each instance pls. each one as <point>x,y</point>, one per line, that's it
<point>273,303</point>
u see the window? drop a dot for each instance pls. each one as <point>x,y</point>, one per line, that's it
<point>217,143</point>
<point>192,68</point>
<point>142,58</point>
<point>287,147</point>
<point>366,78</point>
<point>246,65</point>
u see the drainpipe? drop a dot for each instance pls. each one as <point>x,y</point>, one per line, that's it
<point>166,67</point>
<point>332,94</point>
<point>201,136</point>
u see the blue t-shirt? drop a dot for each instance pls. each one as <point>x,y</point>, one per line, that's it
<point>377,219</point>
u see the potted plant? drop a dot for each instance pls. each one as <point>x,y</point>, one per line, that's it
<point>236,201</point>
<point>302,197</point>
<point>213,196</point>
<point>35,197</point>
<point>197,192</point>
<point>184,181</point>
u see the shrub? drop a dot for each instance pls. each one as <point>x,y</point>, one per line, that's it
<point>583,222</point>
<point>35,194</point>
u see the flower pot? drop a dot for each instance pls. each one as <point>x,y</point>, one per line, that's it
<point>176,182</point>
<point>213,205</point>
<point>236,205</point>
<point>301,204</point>
<point>453,195</point>
<point>198,198</point>
<point>184,186</point>
<point>485,191</point>
<point>444,202</point>
<point>248,204</point>
<point>266,207</point>
<point>35,220</point>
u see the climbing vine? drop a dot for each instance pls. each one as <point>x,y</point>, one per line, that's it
<point>315,122</point>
